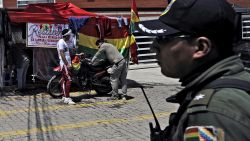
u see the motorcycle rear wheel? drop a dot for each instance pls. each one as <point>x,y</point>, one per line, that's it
<point>54,87</point>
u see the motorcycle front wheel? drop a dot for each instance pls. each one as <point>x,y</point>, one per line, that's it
<point>102,91</point>
<point>54,87</point>
<point>104,87</point>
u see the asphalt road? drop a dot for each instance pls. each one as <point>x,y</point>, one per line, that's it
<point>34,116</point>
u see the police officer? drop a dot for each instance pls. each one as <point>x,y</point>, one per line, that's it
<point>194,42</point>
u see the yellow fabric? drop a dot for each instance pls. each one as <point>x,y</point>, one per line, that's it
<point>76,66</point>
<point>120,43</point>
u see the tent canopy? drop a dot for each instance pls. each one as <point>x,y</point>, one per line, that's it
<point>48,13</point>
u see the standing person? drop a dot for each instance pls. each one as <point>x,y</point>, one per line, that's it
<point>194,42</point>
<point>118,71</point>
<point>65,64</point>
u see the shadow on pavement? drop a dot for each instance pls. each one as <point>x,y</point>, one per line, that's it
<point>31,89</point>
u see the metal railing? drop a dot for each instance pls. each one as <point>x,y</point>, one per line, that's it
<point>246,27</point>
<point>144,53</point>
<point>243,48</point>
<point>24,3</point>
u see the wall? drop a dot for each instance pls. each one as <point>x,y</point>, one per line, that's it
<point>117,3</point>
<point>120,3</point>
<point>243,3</point>
<point>9,3</point>
<point>102,3</point>
<point>140,3</point>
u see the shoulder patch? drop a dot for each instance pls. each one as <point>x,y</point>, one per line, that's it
<point>203,133</point>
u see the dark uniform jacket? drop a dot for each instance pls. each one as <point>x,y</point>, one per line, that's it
<point>222,114</point>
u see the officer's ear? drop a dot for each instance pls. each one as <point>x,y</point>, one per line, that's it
<point>202,47</point>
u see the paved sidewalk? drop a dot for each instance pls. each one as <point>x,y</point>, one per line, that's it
<point>34,116</point>
<point>149,73</point>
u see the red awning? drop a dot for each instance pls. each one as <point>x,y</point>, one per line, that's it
<point>48,13</point>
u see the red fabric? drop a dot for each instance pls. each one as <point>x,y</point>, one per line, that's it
<point>91,29</point>
<point>134,53</point>
<point>134,8</point>
<point>47,13</point>
<point>76,59</point>
<point>65,81</point>
<point>104,27</point>
<point>133,47</point>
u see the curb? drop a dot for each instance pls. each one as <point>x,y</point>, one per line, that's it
<point>143,66</point>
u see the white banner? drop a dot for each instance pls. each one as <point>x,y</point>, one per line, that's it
<point>44,35</point>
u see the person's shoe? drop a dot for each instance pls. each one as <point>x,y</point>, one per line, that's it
<point>63,99</point>
<point>69,101</point>
<point>113,97</point>
<point>123,97</point>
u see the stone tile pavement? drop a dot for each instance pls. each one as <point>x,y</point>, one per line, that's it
<point>34,116</point>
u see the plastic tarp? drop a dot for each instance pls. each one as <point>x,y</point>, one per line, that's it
<point>44,60</point>
<point>47,13</point>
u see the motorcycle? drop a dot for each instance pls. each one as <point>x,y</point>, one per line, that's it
<point>88,77</point>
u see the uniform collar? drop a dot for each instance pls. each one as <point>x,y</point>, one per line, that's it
<point>228,66</point>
